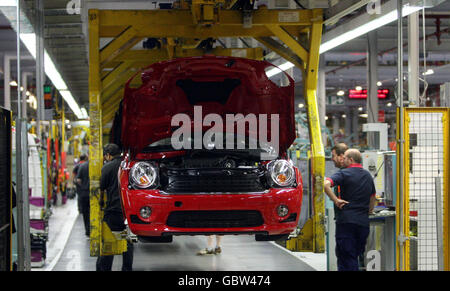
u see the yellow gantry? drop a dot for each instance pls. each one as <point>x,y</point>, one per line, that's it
<point>293,34</point>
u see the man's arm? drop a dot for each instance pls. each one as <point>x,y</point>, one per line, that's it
<point>338,202</point>
<point>373,200</point>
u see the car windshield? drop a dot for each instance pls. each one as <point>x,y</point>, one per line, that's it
<point>238,144</point>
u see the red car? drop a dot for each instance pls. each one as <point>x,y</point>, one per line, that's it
<point>247,187</point>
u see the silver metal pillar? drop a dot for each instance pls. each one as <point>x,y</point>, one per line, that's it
<point>40,75</point>
<point>355,126</point>
<point>347,123</point>
<point>6,80</point>
<point>439,223</point>
<point>24,84</point>
<point>372,80</point>
<point>23,212</point>
<point>413,59</point>
<point>336,127</point>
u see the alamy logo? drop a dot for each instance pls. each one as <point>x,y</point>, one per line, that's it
<point>73,7</point>
<point>374,261</point>
<point>213,138</point>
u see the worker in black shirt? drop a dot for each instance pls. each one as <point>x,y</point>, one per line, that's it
<point>83,159</point>
<point>113,214</point>
<point>353,207</point>
<point>83,195</point>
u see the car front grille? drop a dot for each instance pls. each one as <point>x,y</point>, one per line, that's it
<point>213,180</point>
<point>215,219</point>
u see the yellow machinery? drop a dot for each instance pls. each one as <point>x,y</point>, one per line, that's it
<point>293,34</point>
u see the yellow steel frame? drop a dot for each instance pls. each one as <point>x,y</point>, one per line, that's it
<point>405,220</point>
<point>297,38</point>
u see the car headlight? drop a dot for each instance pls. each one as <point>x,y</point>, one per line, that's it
<point>281,172</point>
<point>143,175</point>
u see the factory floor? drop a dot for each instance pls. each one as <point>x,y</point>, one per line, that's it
<point>68,250</point>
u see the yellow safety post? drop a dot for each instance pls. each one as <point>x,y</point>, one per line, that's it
<point>76,132</point>
<point>402,254</point>
<point>95,147</point>
<point>101,242</point>
<point>315,134</point>
<point>446,202</point>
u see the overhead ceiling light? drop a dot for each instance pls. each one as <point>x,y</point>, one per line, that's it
<point>379,84</point>
<point>29,39</point>
<point>358,88</point>
<point>389,104</point>
<point>428,72</point>
<point>84,113</point>
<point>13,83</point>
<point>301,105</point>
<point>360,108</point>
<point>340,93</point>
<point>344,116</point>
<point>8,3</point>
<point>364,115</point>
<point>368,23</point>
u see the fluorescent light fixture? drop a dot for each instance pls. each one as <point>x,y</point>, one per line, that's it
<point>279,69</point>
<point>358,88</point>
<point>29,39</point>
<point>379,84</point>
<point>13,83</point>
<point>84,113</point>
<point>366,27</point>
<point>71,102</point>
<point>8,2</point>
<point>428,72</point>
<point>340,93</point>
<point>364,115</point>
<point>389,104</point>
<point>301,105</point>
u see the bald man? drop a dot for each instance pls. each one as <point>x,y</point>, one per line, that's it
<point>352,209</point>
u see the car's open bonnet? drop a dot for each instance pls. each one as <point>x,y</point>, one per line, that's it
<point>220,85</point>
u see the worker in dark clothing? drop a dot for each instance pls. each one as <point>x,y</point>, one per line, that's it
<point>83,159</point>
<point>84,186</point>
<point>353,208</point>
<point>113,214</point>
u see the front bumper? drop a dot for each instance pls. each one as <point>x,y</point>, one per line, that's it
<point>162,205</point>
